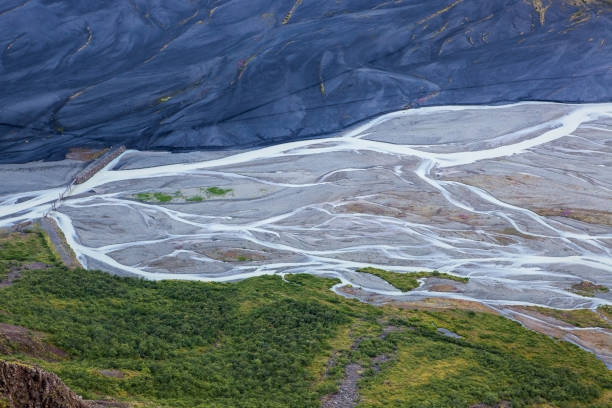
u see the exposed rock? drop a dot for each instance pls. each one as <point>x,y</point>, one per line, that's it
<point>32,387</point>
<point>347,396</point>
<point>84,153</point>
<point>97,165</point>
<point>56,236</point>
<point>447,333</point>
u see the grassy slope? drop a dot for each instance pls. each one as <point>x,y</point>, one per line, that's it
<point>19,249</point>
<point>265,342</point>
<point>577,318</point>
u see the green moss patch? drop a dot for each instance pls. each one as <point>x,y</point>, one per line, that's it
<point>195,199</point>
<point>408,281</point>
<point>20,249</point>
<point>218,191</point>
<point>182,197</point>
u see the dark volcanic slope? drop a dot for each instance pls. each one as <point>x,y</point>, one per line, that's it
<point>207,74</point>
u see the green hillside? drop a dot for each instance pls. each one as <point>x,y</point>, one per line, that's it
<point>269,342</point>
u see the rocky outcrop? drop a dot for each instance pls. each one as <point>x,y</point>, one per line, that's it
<point>97,165</point>
<point>23,386</point>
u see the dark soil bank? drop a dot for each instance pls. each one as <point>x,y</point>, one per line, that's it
<point>229,73</point>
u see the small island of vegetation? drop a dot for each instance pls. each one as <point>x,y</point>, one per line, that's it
<point>408,281</point>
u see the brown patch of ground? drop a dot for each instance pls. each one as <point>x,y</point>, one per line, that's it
<point>84,153</point>
<point>11,276</point>
<point>347,395</point>
<point>171,263</point>
<point>16,270</point>
<point>362,295</point>
<point>517,233</point>
<point>236,255</point>
<point>423,304</point>
<point>445,288</point>
<point>18,340</point>
<point>440,303</point>
<point>504,240</point>
<point>407,205</point>
<point>370,208</point>
<point>395,210</point>
<point>579,214</point>
<point>112,373</point>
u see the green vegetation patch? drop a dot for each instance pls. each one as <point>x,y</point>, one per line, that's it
<point>606,311</point>
<point>19,249</point>
<point>162,198</point>
<point>218,191</point>
<point>153,197</point>
<point>273,342</point>
<point>188,344</point>
<point>588,289</point>
<point>408,281</point>
<point>496,360</point>
<point>577,317</point>
<point>178,196</point>
<point>143,196</point>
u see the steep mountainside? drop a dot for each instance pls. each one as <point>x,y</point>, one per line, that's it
<point>228,73</point>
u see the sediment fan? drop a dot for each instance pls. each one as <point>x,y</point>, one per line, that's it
<point>213,74</point>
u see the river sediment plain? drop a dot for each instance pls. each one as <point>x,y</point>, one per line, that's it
<point>518,198</point>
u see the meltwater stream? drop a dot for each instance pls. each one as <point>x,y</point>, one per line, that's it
<point>467,190</point>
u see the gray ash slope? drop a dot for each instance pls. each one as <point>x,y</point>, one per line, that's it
<point>197,74</point>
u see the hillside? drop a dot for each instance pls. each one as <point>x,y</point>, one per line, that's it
<point>220,74</point>
<point>273,342</point>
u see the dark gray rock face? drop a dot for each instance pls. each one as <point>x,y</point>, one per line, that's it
<point>198,74</point>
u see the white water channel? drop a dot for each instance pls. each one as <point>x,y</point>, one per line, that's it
<point>588,250</point>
